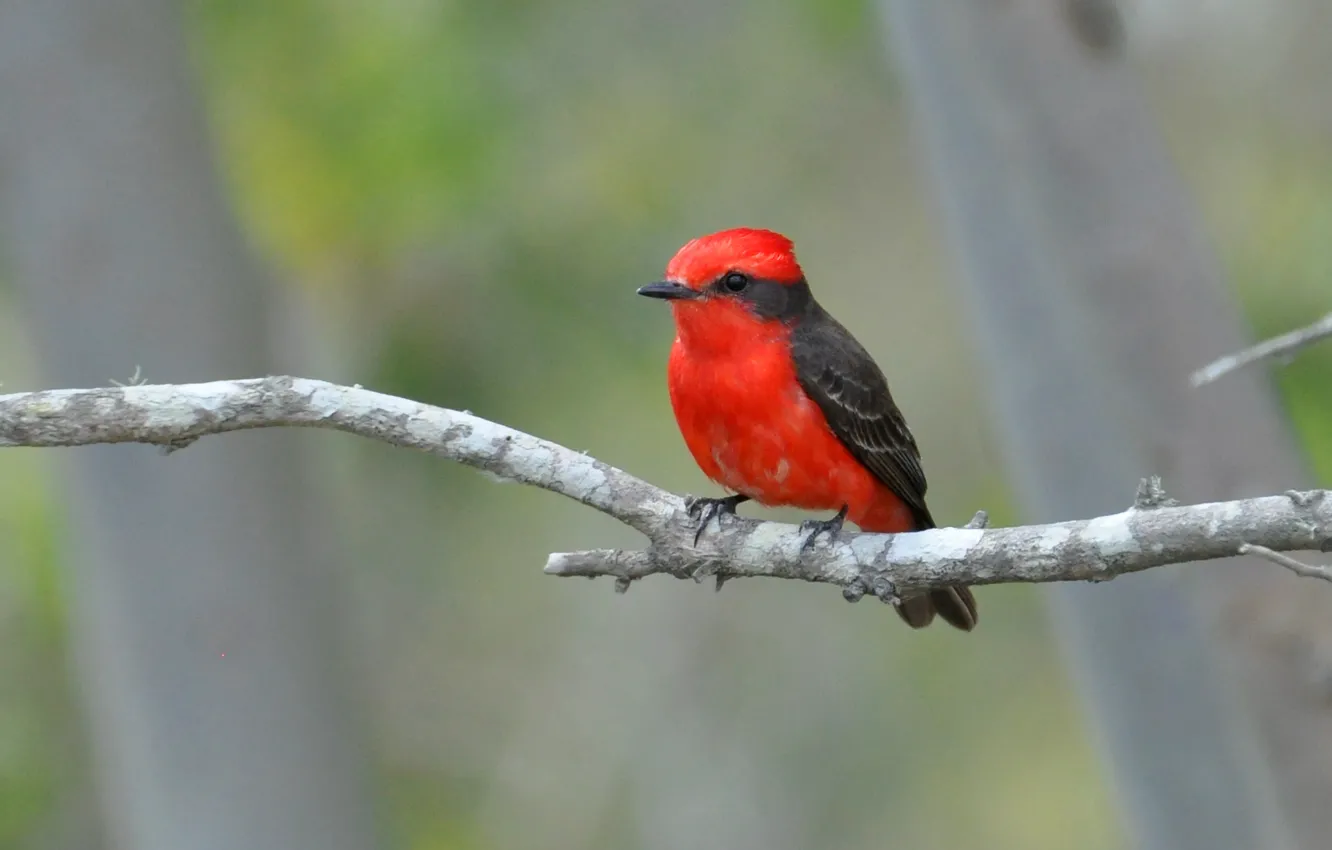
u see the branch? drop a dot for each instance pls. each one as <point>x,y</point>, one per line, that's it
<point>175,415</point>
<point>1155,532</point>
<point>1299,568</point>
<point>1281,347</point>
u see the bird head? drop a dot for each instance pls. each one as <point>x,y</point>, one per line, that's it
<point>729,286</point>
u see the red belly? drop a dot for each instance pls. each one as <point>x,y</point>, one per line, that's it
<point>752,429</point>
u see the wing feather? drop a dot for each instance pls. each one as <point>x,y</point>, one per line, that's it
<point>840,377</point>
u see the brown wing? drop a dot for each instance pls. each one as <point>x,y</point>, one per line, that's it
<point>839,375</point>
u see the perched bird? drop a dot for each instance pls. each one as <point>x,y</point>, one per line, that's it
<point>778,403</point>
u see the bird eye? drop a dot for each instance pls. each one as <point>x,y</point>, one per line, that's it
<point>735,281</point>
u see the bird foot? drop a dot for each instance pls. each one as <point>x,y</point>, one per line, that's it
<point>703,510</point>
<point>815,527</point>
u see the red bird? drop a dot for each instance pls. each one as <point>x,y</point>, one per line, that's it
<point>778,403</point>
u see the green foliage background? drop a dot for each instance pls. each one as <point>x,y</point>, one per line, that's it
<point>467,195</point>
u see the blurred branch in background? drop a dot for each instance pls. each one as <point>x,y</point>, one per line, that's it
<point>1095,294</point>
<point>1155,532</point>
<point>203,595</point>
<point>1278,348</point>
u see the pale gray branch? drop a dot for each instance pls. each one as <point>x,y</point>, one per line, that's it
<point>1153,533</point>
<point>175,415</point>
<point>1297,567</point>
<point>1286,345</point>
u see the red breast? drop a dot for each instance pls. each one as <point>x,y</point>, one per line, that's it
<point>753,430</point>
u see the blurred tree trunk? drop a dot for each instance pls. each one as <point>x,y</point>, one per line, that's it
<point>1095,294</point>
<point>204,602</point>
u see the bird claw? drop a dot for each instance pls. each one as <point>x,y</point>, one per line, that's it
<point>702,511</point>
<point>815,527</point>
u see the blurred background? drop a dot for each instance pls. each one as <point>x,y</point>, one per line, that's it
<point>454,201</point>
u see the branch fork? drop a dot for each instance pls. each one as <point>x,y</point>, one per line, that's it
<point>1154,532</point>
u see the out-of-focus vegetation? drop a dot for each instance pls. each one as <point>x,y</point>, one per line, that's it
<point>467,195</point>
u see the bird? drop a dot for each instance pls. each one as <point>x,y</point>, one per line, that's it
<point>778,403</point>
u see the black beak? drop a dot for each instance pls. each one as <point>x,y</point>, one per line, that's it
<point>668,290</point>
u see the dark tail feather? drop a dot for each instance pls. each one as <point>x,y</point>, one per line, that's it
<point>917,611</point>
<point>955,604</point>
